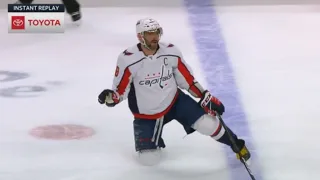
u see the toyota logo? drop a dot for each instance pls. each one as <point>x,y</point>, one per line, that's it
<point>17,22</point>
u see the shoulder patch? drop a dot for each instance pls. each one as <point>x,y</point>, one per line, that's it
<point>127,53</point>
<point>170,45</point>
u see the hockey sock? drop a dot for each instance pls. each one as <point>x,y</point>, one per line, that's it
<point>225,139</point>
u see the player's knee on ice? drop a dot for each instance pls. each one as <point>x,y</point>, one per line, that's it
<point>149,157</point>
<point>210,126</point>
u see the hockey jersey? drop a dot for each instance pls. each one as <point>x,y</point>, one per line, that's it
<point>150,83</point>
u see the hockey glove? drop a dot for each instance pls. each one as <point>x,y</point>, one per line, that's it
<point>211,104</point>
<point>109,98</point>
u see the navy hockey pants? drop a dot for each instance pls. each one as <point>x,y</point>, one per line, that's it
<point>148,132</point>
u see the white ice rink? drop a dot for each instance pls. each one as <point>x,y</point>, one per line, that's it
<point>275,53</point>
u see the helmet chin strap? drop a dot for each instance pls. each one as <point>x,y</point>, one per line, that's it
<point>145,44</point>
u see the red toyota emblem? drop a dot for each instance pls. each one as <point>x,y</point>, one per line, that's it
<point>18,22</point>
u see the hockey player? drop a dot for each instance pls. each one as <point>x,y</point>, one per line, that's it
<point>151,75</point>
<point>72,7</point>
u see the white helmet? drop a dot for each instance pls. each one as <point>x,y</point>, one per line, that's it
<point>147,25</point>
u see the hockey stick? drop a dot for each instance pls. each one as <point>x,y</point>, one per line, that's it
<point>235,145</point>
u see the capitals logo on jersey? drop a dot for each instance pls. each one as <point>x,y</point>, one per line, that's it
<point>159,78</point>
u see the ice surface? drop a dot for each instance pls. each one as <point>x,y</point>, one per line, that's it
<point>274,52</point>
<point>275,55</point>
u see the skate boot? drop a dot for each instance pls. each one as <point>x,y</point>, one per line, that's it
<point>76,16</point>
<point>244,152</point>
<point>25,2</point>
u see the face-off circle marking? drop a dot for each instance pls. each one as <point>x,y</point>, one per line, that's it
<point>62,132</point>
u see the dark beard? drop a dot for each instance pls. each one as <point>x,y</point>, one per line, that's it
<point>152,46</point>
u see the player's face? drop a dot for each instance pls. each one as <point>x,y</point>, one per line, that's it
<point>152,39</point>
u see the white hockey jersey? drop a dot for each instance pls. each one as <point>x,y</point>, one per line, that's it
<point>151,82</point>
